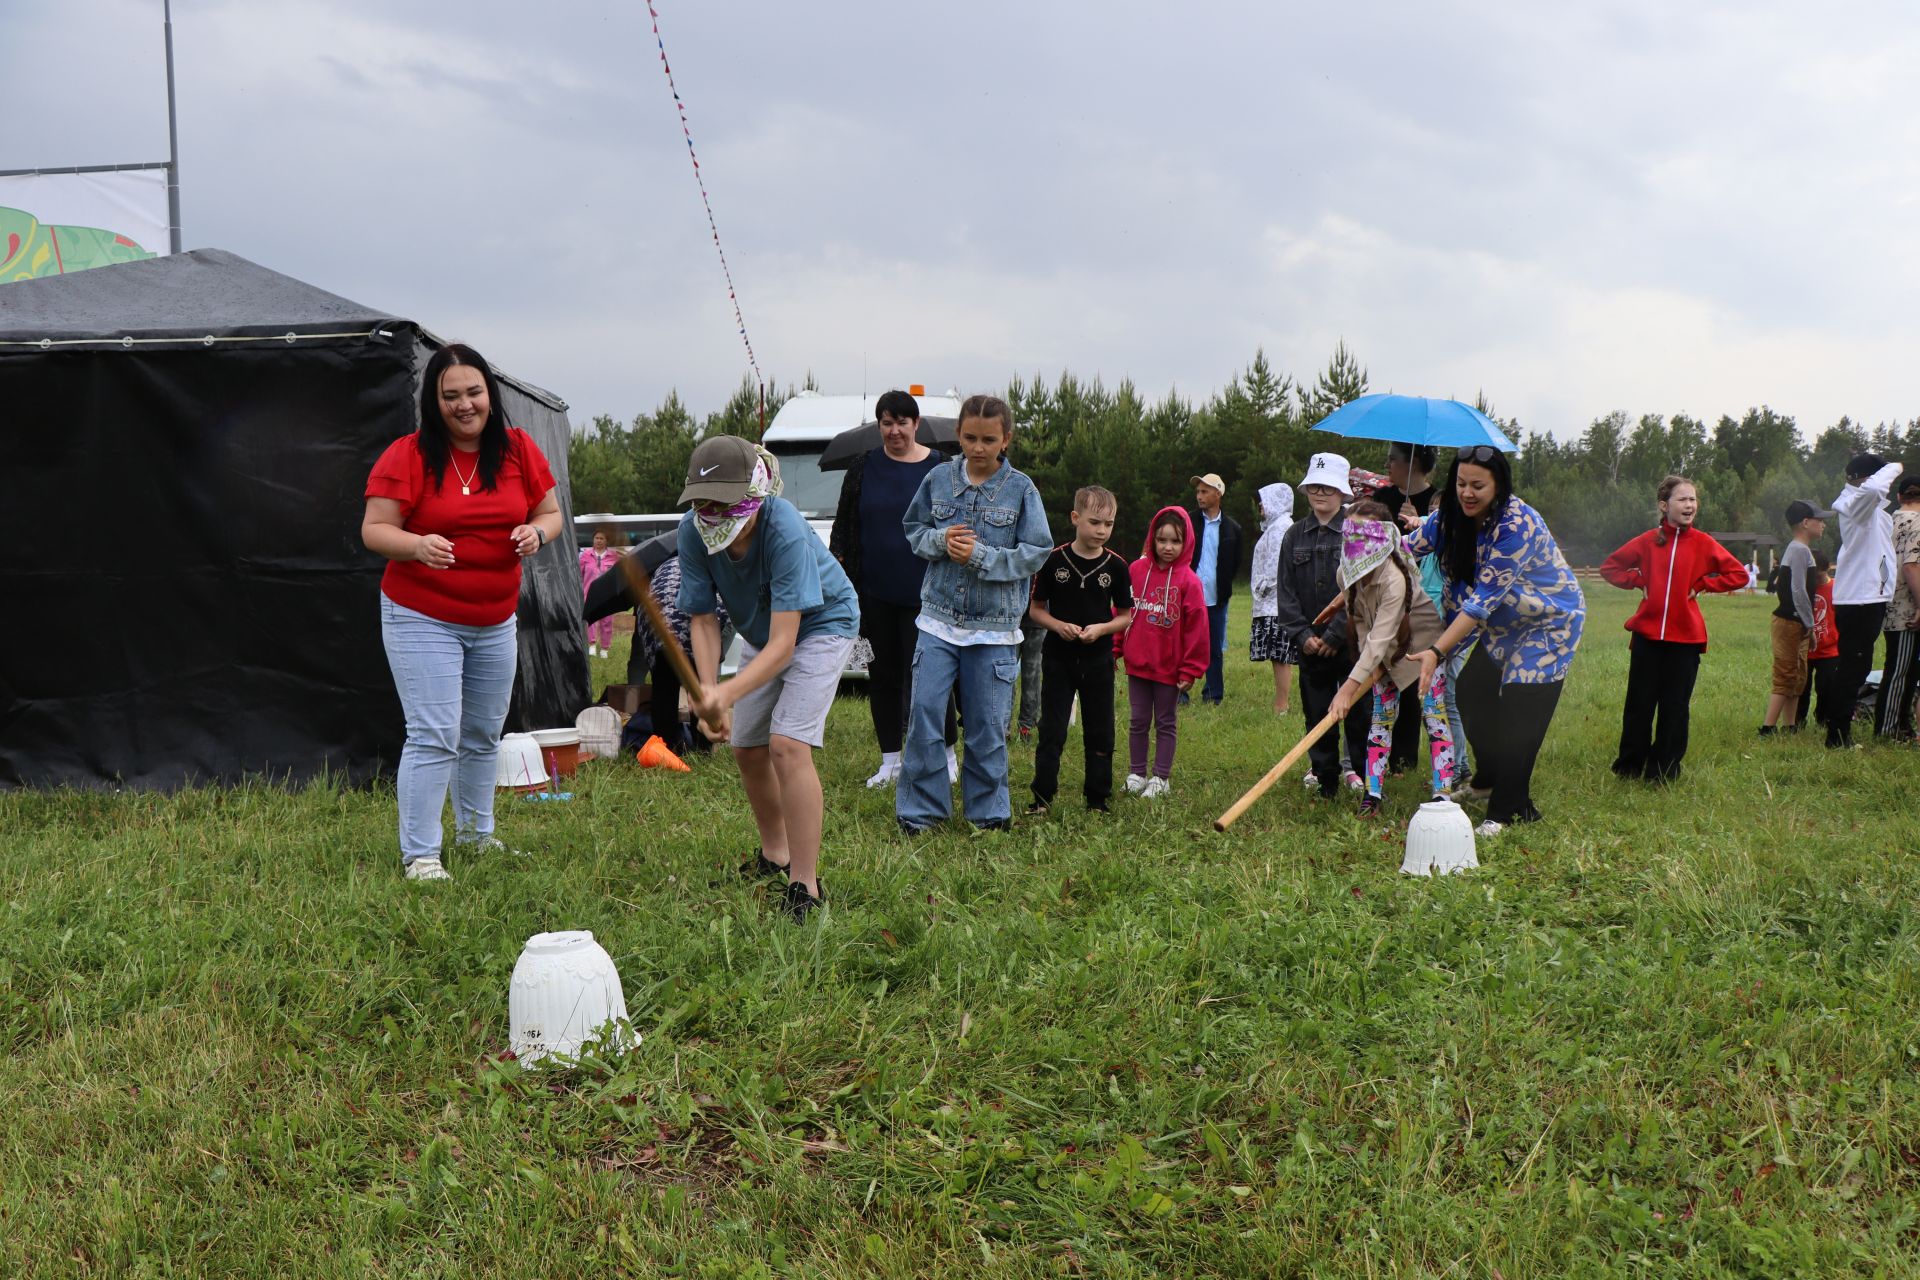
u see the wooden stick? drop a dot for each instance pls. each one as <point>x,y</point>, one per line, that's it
<point>1260,788</point>
<point>640,586</point>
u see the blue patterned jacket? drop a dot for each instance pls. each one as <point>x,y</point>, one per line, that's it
<point>1523,594</point>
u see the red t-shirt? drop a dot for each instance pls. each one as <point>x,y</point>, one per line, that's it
<point>1826,637</point>
<point>482,589</point>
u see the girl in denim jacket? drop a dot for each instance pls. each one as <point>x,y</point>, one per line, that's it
<point>980,525</point>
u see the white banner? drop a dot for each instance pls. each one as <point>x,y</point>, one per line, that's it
<point>53,223</point>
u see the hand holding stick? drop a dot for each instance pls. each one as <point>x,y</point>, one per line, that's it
<point>640,587</point>
<point>1260,788</point>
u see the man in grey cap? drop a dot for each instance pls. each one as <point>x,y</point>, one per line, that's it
<point>1216,559</point>
<point>797,616</point>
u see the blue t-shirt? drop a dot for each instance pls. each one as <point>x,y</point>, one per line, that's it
<point>786,570</point>
<point>889,570</point>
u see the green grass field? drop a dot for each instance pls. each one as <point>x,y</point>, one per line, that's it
<point>1663,1033</point>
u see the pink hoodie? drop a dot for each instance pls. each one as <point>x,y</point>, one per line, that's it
<point>1167,642</point>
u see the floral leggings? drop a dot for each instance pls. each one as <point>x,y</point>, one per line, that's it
<point>1433,711</point>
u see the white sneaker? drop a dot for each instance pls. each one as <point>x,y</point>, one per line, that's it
<point>1355,782</point>
<point>427,869</point>
<point>1155,787</point>
<point>953,766</point>
<point>888,773</point>
<point>1489,828</point>
<point>1136,784</point>
<point>1310,782</point>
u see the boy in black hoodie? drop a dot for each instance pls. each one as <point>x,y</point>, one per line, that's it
<point>1309,579</point>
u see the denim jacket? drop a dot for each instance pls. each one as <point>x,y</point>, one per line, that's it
<point>1308,577</point>
<point>1011,541</point>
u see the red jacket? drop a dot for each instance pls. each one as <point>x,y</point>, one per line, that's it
<point>1167,641</point>
<point>1826,637</point>
<point>1690,563</point>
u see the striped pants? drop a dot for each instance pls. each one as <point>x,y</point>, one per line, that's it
<point>1893,712</point>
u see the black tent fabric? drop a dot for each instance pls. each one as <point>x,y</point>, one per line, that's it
<point>189,439</point>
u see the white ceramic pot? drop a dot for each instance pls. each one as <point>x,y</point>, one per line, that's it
<point>520,762</point>
<point>564,992</point>
<point>1439,840</point>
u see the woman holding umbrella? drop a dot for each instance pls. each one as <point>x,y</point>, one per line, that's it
<point>871,544</point>
<point>1507,585</point>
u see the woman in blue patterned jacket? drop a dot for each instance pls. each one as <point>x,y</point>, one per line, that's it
<point>1506,579</point>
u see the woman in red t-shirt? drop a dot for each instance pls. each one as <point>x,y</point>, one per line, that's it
<point>455,507</point>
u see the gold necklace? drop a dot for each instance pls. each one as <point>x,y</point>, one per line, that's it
<point>466,482</point>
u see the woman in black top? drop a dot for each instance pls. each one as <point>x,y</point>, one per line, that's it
<point>871,545</point>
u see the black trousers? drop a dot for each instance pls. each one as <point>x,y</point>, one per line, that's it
<point>1087,670</point>
<point>1859,627</point>
<point>1505,724</point>
<point>1819,681</point>
<point>890,629</point>
<point>1320,679</point>
<point>1406,732</point>
<point>1653,723</point>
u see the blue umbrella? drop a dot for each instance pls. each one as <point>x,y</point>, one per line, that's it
<point>1416,420</point>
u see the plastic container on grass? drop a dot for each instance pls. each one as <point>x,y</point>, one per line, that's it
<point>519,764</point>
<point>1439,841</point>
<point>565,991</point>
<point>561,747</point>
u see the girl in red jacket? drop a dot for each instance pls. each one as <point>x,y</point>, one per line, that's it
<point>1672,564</point>
<point>1165,649</point>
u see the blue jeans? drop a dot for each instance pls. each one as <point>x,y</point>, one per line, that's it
<point>1462,761</point>
<point>454,684</point>
<point>1215,687</point>
<point>923,796</point>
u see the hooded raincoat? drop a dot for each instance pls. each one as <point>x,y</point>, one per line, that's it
<point>1276,513</point>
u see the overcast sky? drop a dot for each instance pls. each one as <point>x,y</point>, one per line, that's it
<point>1646,206</point>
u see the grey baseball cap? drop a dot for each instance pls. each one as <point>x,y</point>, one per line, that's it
<point>720,470</point>
<point>1800,509</point>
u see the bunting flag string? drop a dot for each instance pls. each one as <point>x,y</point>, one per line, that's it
<point>700,180</point>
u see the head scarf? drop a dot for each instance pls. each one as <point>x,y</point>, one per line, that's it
<point>1365,545</point>
<point>718,529</point>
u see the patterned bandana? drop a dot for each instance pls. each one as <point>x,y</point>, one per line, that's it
<point>1364,547</point>
<point>719,529</point>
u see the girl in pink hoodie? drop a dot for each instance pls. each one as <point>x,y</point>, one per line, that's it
<point>1165,649</point>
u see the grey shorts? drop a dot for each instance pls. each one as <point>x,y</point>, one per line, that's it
<point>794,704</point>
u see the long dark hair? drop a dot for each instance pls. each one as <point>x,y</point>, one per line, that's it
<point>1458,533</point>
<point>435,445</point>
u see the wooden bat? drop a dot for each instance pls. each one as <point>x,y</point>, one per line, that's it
<point>640,587</point>
<point>1260,788</point>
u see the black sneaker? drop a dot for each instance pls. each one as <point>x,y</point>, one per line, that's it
<point>757,867</point>
<point>799,904</point>
<point>1038,809</point>
<point>994,824</point>
<point>1371,806</point>
<point>1766,731</point>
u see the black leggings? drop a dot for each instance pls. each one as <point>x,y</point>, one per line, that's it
<point>890,629</point>
<point>1505,724</point>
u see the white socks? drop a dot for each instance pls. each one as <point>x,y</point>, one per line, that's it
<point>889,771</point>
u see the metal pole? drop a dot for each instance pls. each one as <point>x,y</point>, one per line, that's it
<point>173,139</point>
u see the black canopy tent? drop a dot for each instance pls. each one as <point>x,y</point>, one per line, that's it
<point>186,596</point>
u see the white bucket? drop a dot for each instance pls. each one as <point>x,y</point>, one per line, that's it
<point>1439,840</point>
<point>519,763</point>
<point>564,992</point>
<point>557,737</point>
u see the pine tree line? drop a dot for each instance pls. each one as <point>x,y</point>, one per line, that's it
<point>1596,490</point>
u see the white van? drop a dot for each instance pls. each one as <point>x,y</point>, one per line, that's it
<point>799,434</point>
<point>800,431</point>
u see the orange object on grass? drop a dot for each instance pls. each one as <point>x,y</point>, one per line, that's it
<point>655,754</point>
